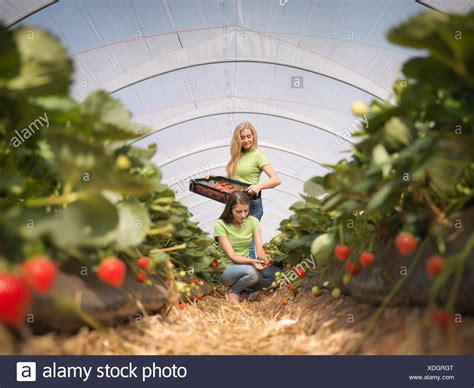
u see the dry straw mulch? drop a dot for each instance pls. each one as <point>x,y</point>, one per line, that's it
<point>307,325</point>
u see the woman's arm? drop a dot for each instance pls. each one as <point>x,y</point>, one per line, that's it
<point>274,180</point>
<point>229,251</point>
<point>257,239</point>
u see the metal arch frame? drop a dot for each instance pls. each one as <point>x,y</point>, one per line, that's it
<point>210,210</point>
<point>204,222</point>
<point>36,9</point>
<point>251,98</point>
<point>279,190</point>
<point>216,216</point>
<point>422,2</point>
<point>243,61</point>
<point>282,149</point>
<point>208,199</point>
<point>240,112</point>
<point>169,183</point>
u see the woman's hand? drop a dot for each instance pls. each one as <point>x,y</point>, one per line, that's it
<point>260,264</point>
<point>254,189</point>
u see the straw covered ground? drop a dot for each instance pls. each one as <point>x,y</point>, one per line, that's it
<point>306,325</point>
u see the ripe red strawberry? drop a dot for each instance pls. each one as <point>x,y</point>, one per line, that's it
<point>435,265</point>
<point>443,319</point>
<point>284,302</point>
<point>406,243</point>
<point>39,274</point>
<point>352,268</point>
<point>141,277</point>
<point>366,259</point>
<point>15,298</point>
<point>182,306</point>
<point>290,286</point>
<point>196,281</point>
<point>112,271</point>
<point>300,272</point>
<point>199,296</point>
<point>342,251</point>
<point>143,262</point>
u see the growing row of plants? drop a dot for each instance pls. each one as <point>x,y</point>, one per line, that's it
<point>410,174</point>
<point>72,189</point>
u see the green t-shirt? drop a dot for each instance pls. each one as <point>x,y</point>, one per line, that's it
<point>249,167</point>
<point>240,238</point>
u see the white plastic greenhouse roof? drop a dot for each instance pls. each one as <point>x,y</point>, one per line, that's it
<point>193,69</point>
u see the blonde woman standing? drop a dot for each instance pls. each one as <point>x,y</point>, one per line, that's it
<point>246,165</point>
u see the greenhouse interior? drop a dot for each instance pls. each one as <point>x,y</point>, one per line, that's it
<point>178,176</point>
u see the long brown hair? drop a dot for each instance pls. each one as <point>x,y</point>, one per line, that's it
<point>236,145</point>
<point>236,198</point>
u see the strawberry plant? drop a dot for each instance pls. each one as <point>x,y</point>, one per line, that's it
<point>71,187</point>
<point>411,173</point>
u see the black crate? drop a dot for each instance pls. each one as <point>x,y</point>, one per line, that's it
<point>202,186</point>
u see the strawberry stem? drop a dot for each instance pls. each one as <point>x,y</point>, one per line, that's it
<point>461,259</point>
<point>378,313</point>
<point>169,249</point>
<point>341,234</point>
<point>55,200</point>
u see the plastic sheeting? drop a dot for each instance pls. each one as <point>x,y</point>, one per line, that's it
<point>12,12</point>
<point>193,69</point>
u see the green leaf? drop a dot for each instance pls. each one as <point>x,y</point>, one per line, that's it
<point>380,197</point>
<point>75,156</point>
<point>449,39</point>
<point>29,223</point>
<point>344,178</point>
<point>110,118</point>
<point>159,257</point>
<point>419,32</point>
<point>133,225</point>
<point>313,187</point>
<point>432,72</point>
<point>87,163</point>
<point>90,222</point>
<point>332,201</point>
<point>9,57</point>
<point>381,158</point>
<point>396,133</point>
<point>297,205</point>
<point>45,67</point>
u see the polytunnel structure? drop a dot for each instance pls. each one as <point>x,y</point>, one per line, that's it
<point>124,129</point>
<point>193,70</point>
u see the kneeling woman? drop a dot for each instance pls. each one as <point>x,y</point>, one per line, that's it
<point>234,231</point>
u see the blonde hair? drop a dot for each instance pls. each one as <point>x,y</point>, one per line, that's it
<point>236,145</point>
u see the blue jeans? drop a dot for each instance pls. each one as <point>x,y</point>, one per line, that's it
<point>241,277</point>
<point>256,210</point>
